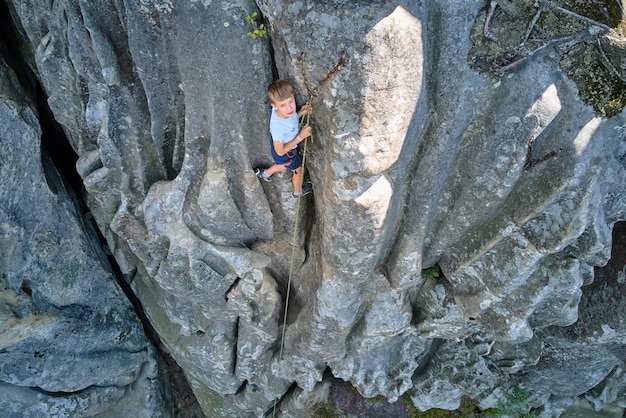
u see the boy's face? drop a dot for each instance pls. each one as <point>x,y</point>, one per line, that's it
<point>285,108</point>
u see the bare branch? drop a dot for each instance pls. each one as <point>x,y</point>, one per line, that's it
<point>530,163</point>
<point>577,16</point>
<point>313,91</point>
<point>331,73</point>
<point>607,63</point>
<point>309,90</point>
<point>533,23</point>
<point>553,41</point>
<point>486,31</point>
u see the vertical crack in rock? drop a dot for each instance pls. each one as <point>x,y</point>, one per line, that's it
<point>58,160</point>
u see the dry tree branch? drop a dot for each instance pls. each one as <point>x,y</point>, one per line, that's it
<point>533,23</point>
<point>607,63</point>
<point>576,15</point>
<point>553,41</point>
<point>313,91</point>
<point>486,31</point>
<point>529,153</point>
<point>530,163</point>
<point>331,73</point>
<point>309,90</point>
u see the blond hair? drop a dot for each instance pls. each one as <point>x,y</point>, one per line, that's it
<point>279,90</point>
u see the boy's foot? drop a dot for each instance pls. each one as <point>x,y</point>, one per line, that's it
<point>306,189</point>
<point>260,173</point>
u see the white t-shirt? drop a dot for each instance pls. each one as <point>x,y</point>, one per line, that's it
<point>284,129</point>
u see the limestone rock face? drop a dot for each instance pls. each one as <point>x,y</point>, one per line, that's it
<point>71,343</point>
<point>457,217</point>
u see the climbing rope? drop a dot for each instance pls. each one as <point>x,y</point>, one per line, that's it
<point>304,122</point>
<point>295,231</point>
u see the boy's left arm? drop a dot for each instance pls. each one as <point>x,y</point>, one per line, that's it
<point>282,148</point>
<point>308,108</point>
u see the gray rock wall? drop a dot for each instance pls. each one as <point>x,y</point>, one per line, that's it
<point>70,341</point>
<point>421,161</point>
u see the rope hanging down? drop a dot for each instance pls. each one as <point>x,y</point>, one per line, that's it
<point>295,233</point>
<point>304,122</point>
<point>293,242</point>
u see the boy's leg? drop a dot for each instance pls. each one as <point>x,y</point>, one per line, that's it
<point>266,173</point>
<point>296,179</point>
<point>300,188</point>
<point>306,189</point>
<point>275,169</point>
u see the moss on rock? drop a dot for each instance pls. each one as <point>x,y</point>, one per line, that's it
<point>589,53</point>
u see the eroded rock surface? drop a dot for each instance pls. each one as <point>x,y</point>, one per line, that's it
<point>422,162</point>
<point>71,343</point>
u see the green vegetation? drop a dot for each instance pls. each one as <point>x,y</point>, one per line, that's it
<point>587,36</point>
<point>326,410</point>
<point>258,28</point>
<point>516,404</point>
<point>467,408</point>
<point>432,274</point>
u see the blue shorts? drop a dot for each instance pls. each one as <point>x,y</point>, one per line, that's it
<point>293,157</point>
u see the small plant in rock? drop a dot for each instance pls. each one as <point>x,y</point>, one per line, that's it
<point>258,28</point>
<point>326,410</point>
<point>432,274</point>
<point>516,404</point>
<point>377,399</point>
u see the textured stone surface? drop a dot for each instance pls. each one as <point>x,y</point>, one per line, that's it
<point>419,159</point>
<point>70,341</point>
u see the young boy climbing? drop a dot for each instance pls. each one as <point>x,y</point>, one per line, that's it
<point>286,137</point>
